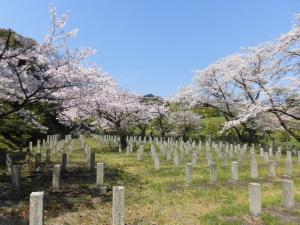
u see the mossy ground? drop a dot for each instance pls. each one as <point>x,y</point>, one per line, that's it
<point>152,197</point>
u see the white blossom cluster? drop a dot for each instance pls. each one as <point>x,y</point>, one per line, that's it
<point>255,84</point>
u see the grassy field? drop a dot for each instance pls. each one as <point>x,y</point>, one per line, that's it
<point>151,197</point>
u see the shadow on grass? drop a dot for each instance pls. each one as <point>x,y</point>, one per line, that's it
<point>77,191</point>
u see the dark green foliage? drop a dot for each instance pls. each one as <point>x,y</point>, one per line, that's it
<point>15,40</point>
<point>15,128</point>
<point>207,112</point>
<point>16,133</point>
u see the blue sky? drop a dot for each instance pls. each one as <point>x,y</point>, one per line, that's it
<point>153,46</point>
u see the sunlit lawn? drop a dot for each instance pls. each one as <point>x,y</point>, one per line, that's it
<point>157,197</point>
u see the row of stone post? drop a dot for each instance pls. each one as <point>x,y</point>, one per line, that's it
<point>36,208</point>
<point>57,169</point>
<point>255,197</point>
<point>235,170</point>
<point>213,172</point>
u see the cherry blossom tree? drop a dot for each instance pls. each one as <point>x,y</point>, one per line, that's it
<point>183,122</point>
<point>160,112</point>
<point>37,72</point>
<point>214,87</point>
<point>185,97</point>
<point>114,109</point>
<point>121,109</point>
<point>144,117</point>
<point>273,85</point>
<point>256,83</point>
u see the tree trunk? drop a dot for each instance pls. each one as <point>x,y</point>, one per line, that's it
<point>251,135</point>
<point>151,134</point>
<point>143,133</point>
<point>273,140</point>
<point>184,137</point>
<point>282,123</point>
<point>238,133</point>
<point>163,133</point>
<point>123,141</point>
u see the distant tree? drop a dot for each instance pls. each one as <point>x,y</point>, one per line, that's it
<point>160,120</point>
<point>183,122</point>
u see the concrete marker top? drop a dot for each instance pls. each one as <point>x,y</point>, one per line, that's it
<point>37,193</point>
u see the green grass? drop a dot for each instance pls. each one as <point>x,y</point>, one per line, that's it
<point>161,197</point>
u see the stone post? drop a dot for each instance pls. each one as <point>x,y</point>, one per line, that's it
<point>272,168</point>
<point>36,214</point>
<point>188,173</point>
<point>209,158</point>
<point>225,160</point>
<point>127,150</point>
<point>48,154</point>
<point>27,155</point>
<point>118,205</point>
<point>64,162</point>
<point>213,173</point>
<point>92,161</point>
<point>176,158</point>
<point>277,157</point>
<point>15,177</point>
<point>255,200</point>
<point>289,155</point>
<point>169,154</point>
<point>253,156</point>
<point>254,169</point>
<point>261,152</point>
<point>266,157</point>
<point>56,178</point>
<point>38,146</point>
<point>194,158</point>
<point>235,171</point>
<point>139,155</point>
<point>288,167</point>
<point>156,162</point>
<point>271,152</point>
<point>100,178</point>
<point>288,194</point>
<point>38,158</point>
